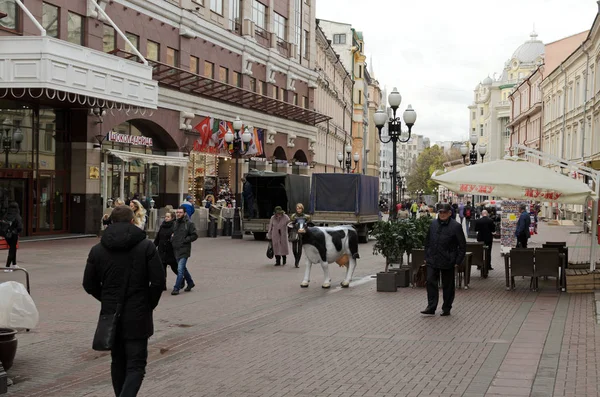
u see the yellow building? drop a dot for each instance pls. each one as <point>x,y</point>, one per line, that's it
<point>361,90</point>
<point>372,153</point>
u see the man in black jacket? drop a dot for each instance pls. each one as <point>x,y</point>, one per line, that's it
<point>184,233</point>
<point>445,247</point>
<point>522,231</point>
<point>123,246</point>
<point>485,228</point>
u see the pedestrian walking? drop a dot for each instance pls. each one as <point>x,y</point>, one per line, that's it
<point>106,218</point>
<point>278,235</point>
<point>414,208</point>
<point>162,241</point>
<point>468,211</point>
<point>461,212</point>
<point>522,232</point>
<point>294,236</point>
<point>11,225</point>
<point>188,204</point>
<point>139,214</point>
<point>184,234</point>
<point>445,247</point>
<point>485,228</point>
<point>124,272</point>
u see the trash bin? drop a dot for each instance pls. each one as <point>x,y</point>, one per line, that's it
<point>212,227</point>
<point>227,226</point>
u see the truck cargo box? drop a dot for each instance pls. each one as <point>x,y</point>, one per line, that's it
<point>355,193</point>
<point>271,189</point>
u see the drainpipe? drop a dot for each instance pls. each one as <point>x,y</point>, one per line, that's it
<point>585,98</point>
<point>562,149</point>
<point>542,118</point>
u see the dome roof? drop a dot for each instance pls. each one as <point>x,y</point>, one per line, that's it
<point>487,81</point>
<point>530,50</point>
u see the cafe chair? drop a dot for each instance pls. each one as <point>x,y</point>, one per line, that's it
<point>522,264</point>
<point>417,259</point>
<point>547,264</point>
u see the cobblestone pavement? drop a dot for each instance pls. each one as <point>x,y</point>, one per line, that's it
<point>248,329</point>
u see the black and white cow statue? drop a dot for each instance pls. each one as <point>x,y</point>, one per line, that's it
<point>326,245</point>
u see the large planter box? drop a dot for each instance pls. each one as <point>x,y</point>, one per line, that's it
<point>582,281</point>
<point>386,282</point>
<point>402,277</point>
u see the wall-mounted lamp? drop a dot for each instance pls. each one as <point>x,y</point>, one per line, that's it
<point>98,112</point>
<point>186,120</point>
<point>99,138</point>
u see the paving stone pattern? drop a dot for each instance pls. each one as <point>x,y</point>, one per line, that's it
<point>248,329</point>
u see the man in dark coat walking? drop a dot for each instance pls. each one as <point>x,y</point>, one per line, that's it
<point>248,196</point>
<point>522,232</point>
<point>124,246</point>
<point>184,233</point>
<point>485,228</point>
<point>445,247</point>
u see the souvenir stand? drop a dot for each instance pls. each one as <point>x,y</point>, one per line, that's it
<point>510,216</point>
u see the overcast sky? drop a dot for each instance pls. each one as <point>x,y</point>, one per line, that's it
<point>437,51</point>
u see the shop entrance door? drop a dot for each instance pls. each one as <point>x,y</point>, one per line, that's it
<point>135,182</point>
<point>15,190</point>
<point>50,206</point>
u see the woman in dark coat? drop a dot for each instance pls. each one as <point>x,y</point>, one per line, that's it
<point>162,241</point>
<point>13,217</point>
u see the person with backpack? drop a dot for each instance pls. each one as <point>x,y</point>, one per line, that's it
<point>184,234</point>
<point>11,225</point>
<point>468,212</point>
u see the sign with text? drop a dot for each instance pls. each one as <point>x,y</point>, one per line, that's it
<point>130,139</point>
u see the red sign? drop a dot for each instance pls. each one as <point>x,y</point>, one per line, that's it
<point>476,188</point>
<point>548,195</point>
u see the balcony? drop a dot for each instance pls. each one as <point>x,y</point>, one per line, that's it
<point>78,74</point>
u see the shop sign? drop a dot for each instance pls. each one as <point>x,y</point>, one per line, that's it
<point>94,172</point>
<point>130,139</point>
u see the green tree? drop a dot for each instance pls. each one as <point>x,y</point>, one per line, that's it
<point>430,160</point>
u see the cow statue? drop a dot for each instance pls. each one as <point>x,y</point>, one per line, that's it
<point>326,245</point>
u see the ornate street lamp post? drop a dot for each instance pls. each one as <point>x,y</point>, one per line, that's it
<point>395,132</point>
<point>464,150</point>
<point>238,146</point>
<point>348,159</point>
<point>9,140</point>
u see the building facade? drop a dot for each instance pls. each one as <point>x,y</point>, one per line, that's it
<point>374,100</point>
<point>93,113</point>
<point>333,97</point>
<point>490,111</point>
<point>349,44</point>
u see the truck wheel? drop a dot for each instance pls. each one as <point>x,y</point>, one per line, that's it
<point>260,236</point>
<point>363,239</point>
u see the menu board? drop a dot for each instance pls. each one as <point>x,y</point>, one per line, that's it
<point>510,216</point>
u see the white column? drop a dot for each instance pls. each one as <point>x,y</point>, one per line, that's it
<point>105,181</point>
<point>180,184</point>
<point>122,181</point>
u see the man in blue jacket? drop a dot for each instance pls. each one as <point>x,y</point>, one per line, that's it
<point>445,247</point>
<point>522,232</point>
<point>188,204</point>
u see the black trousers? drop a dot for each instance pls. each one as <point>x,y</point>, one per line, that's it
<point>12,250</point>
<point>522,241</point>
<point>128,366</point>
<point>297,250</point>
<point>448,288</point>
<point>488,255</point>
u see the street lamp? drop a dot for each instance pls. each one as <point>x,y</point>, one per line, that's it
<point>9,140</point>
<point>348,163</point>
<point>420,194</point>
<point>238,146</point>
<point>395,131</point>
<point>473,153</point>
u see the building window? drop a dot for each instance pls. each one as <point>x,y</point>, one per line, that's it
<point>172,57</point>
<point>234,15</point>
<point>305,102</point>
<point>298,26</point>
<point>473,130</point>
<point>135,41</point>
<point>216,6</point>
<point>237,79</point>
<point>360,71</point>
<point>252,84</point>
<point>279,26</point>
<point>209,70</point>
<point>75,29</point>
<point>152,50</point>
<point>50,19</point>
<point>275,92</point>
<point>306,48</point>
<point>360,94</point>
<point>49,137</point>
<point>264,88</point>
<point>259,14</point>
<point>295,99</point>
<point>339,38</point>
<point>10,8</point>
<point>481,111</point>
<point>223,75</point>
<point>194,64</point>
<point>282,94</point>
<point>480,129</point>
<point>109,42</point>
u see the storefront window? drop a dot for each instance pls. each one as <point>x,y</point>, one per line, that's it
<point>50,19</point>
<point>16,123</point>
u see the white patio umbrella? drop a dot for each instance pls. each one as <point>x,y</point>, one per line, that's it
<point>516,179</point>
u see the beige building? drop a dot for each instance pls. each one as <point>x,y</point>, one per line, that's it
<point>334,98</point>
<point>372,153</point>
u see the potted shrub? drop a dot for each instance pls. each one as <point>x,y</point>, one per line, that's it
<point>388,242</point>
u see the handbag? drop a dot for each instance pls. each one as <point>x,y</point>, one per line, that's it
<point>106,330</point>
<point>270,253</point>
